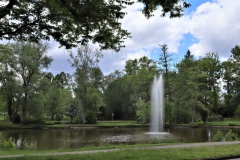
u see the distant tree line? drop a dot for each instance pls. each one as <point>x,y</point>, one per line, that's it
<point>195,89</point>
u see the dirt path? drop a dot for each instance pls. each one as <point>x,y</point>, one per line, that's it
<point>142,148</point>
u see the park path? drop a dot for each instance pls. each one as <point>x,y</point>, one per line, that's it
<point>140,148</point>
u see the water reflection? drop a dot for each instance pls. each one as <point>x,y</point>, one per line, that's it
<point>54,138</point>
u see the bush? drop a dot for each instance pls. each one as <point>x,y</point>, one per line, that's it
<point>91,118</point>
<point>66,144</point>
<point>232,124</point>
<point>215,118</point>
<point>218,137</point>
<point>17,119</point>
<point>27,120</point>
<point>204,114</point>
<point>28,146</point>
<point>228,137</point>
<point>6,144</point>
<point>9,144</point>
<point>231,136</point>
<point>59,117</point>
<point>31,120</point>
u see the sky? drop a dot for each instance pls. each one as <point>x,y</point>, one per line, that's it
<point>207,26</point>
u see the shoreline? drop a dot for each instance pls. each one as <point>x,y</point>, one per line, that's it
<point>92,126</point>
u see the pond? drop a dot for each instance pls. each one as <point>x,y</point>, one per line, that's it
<point>46,139</point>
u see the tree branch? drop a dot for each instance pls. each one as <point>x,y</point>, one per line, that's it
<point>6,10</point>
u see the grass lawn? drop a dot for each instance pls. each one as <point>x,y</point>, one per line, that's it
<point>7,124</point>
<point>148,154</point>
<point>65,124</point>
<point>226,122</point>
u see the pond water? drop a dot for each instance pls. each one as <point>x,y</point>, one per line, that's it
<point>46,139</point>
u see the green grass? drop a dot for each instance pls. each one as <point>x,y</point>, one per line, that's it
<point>147,154</point>
<point>226,122</point>
<point>7,124</point>
<point>63,124</point>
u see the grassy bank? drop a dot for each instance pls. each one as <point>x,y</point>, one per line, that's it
<point>66,124</point>
<point>229,122</point>
<point>145,154</point>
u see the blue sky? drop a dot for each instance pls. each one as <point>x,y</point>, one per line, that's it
<point>207,26</point>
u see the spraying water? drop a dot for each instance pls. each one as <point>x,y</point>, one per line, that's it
<point>157,101</point>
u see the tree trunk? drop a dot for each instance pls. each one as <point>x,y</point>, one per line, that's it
<point>84,104</point>
<point>9,105</point>
<point>24,106</point>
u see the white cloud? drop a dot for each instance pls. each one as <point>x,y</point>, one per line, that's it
<point>216,25</point>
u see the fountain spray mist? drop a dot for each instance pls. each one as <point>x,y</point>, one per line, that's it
<point>157,102</point>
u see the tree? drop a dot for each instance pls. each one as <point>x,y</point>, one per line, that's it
<point>117,97</point>
<point>228,69</point>
<point>140,73</point>
<point>236,82</point>
<point>71,22</point>
<point>72,111</point>
<point>28,61</point>
<point>61,80</point>
<point>7,78</point>
<point>84,62</point>
<point>210,65</point>
<point>164,62</point>
<point>172,8</point>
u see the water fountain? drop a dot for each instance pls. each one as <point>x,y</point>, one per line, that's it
<point>157,103</point>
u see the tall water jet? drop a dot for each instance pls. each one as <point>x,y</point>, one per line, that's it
<point>157,101</point>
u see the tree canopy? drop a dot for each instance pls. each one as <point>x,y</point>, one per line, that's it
<point>73,22</point>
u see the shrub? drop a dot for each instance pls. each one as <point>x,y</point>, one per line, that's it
<point>91,117</point>
<point>31,120</point>
<point>204,114</point>
<point>9,144</point>
<point>231,136</point>
<point>218,137</point>
<point>17,119</point>
<point>39,120</point>
<point>27,120</point>
<point>6,144</point>
<point>28,146</point>
<point>66,144</point>
<point>228,137</point>
<point>59,117</point>
<point>232,124</point>
<point>216,118</point>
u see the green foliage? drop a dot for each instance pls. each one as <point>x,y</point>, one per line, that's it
<point>228,136</point>
<point>204,114</point>
<point>237,113</point>
<point>59,117</point>
<point>17,119</point>
<point>7,144</point>
<point>215,118</point>
<point>231,136</point>
<point>218,137</point>
<point>72,111</point>
<point>143,111</point>
<point>81,22</point>
<point>172,9</point>
<point>28,146</point>
<point>66,144</point>
<point>91,117</point>
<point>117,97</point>
<point>232,124</point>
<point>85,63</point>
<point>33,120</point>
